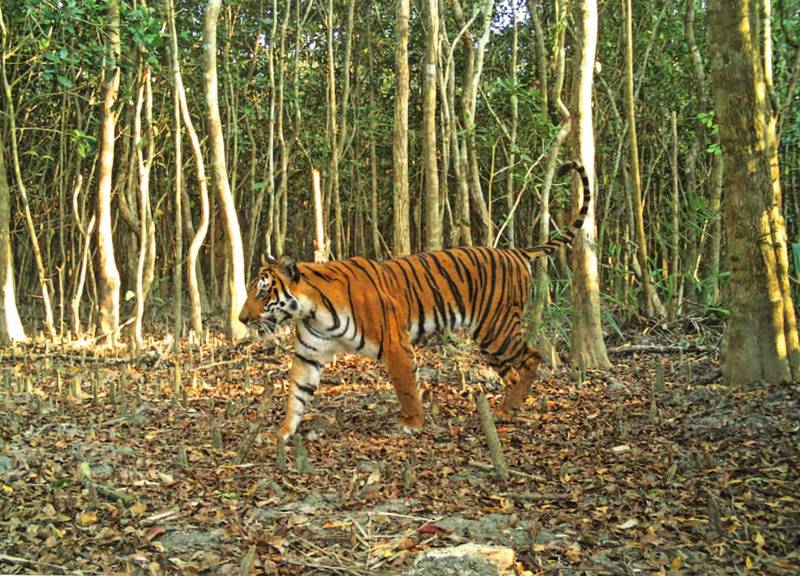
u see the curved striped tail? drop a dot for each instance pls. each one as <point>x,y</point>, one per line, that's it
<point>568,235</point>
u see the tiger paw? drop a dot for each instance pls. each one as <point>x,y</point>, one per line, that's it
<point>285,431</point>
<point>504,414</point>
<point>412,424</point>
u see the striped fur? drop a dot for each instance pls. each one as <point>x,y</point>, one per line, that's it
<point>381,309</point>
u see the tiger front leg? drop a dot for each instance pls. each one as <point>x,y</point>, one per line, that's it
<point>402,370</point>
<point>303,381</point>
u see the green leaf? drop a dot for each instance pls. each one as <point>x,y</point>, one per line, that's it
<point>64,81</point>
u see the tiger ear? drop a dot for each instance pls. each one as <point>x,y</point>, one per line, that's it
<point>289,267</point>
<point>268,259</point>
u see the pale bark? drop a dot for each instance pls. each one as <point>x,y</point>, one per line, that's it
<point>22,190</point>
<point>373,154</point>
<point>433,219</point>
<point>761,334</point>
<point>283,144</point>
<point>108,277</point>
<point>512,141</point>
<point>333,167</point>
<point>402,235</point>
<point>10,324</point>
<point>675,257</point>
<point>235,253</point>
<point>144,100</point>
<point>193,276</point>
<point>541,55</point>
<point>588,347</point>
<point>542,292</point>
<point>474,55</point>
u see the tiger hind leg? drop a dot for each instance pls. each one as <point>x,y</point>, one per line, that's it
<point>400,364</point>
<point>518,370</point>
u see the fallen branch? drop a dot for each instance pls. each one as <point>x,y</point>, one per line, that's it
<point>541,497</point>
<point>651,348</point>
<point>111,493</point>
<point>18,560</point>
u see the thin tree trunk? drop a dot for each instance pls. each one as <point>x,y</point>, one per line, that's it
<point>512,142</point>
<point>433,219</point>
<point>23,193</point>
<point>193,276</point>
<point>10,324</point>
<point>334,197</point>
<point>284,148</point>
<point>588,347</point>
<point>542,293</point>
<point>235,252</point>
<point>402,233</point>
<point>675,260</point>
<point>144,99</point>
<point>373,154</point>
<point>474,66</point>
<point>108,277</point>
<point>653,305</point>
<point>541,55</point>
<point>179,188</point>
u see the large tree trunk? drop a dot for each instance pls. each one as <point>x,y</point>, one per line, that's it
<point>108,284</point>
<point>588,347</point>
<point>402,233</point>
<point>762,335</point>
<point>235,253</point>
<point>433,219</point>
<point>10,324</point>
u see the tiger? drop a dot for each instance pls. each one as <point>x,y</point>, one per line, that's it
<point>383,308</point>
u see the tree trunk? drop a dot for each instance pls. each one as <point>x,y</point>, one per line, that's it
<point>333,182</point>
<point>284,148</point>
<point>235,252</point>
<point>144,99</point>
<point>193,276</point>
<point>653,305</point>
<point>675,257</point>
<point>23,194</point>
<point>373,154</point>
<point>10,324</point>
<point>474,56</point>
<point>588,347</point>
<point>433,219</point>
<point>761,333</point>
<point>541,55</point>
<point>108,278</point>
<point>400,204</point>
<point>512,141</point>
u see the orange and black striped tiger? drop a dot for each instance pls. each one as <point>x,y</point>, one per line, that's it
<point>381,309</point>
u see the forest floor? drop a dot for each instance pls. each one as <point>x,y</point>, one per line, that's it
<point>611,475</point>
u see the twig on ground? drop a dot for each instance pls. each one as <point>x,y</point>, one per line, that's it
<point>641,348</point>
<point>25,561</point>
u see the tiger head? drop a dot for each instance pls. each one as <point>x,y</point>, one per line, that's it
<point>273,296</point>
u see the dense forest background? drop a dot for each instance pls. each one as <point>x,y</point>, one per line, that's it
<point>491,87</point>
<point>152,152</point>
